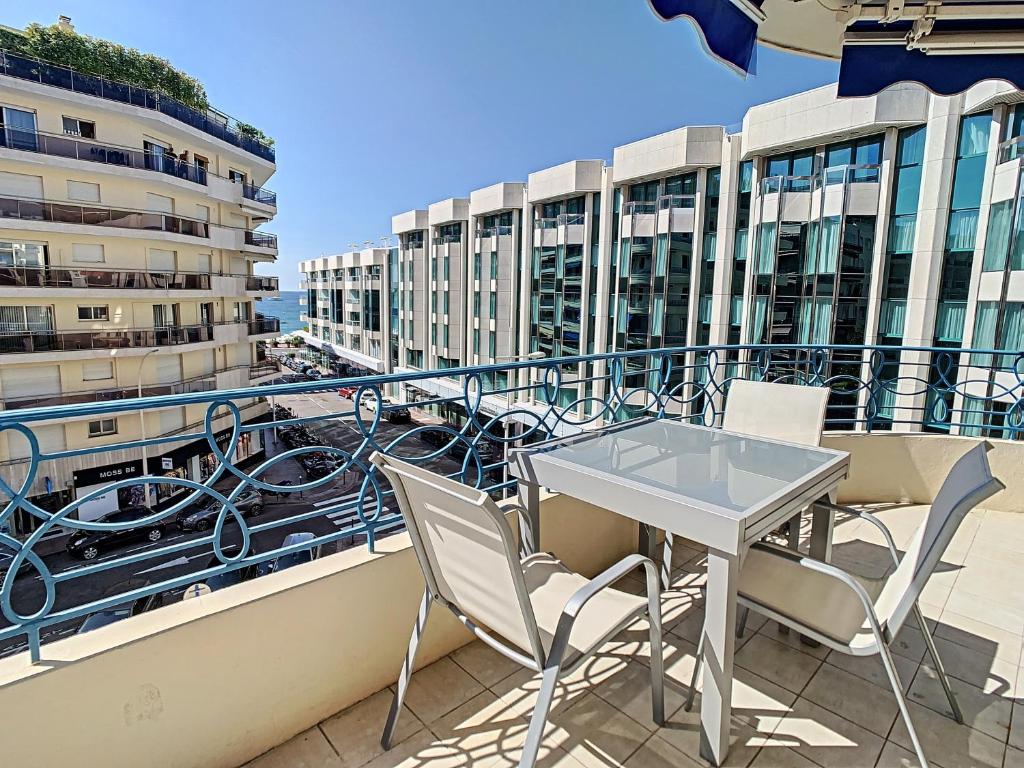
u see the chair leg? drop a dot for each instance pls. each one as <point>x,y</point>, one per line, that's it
<point>940,669</point>
<point>535,734</point>
<point>793,539</point>
<point>897,689</point>
<point>657,653</point>
<point>741,620</point>
<point>666,561</point>
<point>407,665</point>
<point>696,673</point>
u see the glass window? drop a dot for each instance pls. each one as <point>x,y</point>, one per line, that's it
<point>997,239</point>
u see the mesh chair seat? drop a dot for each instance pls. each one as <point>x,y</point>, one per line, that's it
<point>550,585</point>
<point>769,579</point>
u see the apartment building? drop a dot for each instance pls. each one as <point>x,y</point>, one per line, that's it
<point>893,220</point>
<point>347,300</point>
<point>447,279</point>
<point>495,281</point>
<point>128,242</point>
<point>412,229</point>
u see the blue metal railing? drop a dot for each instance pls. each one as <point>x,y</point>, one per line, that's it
<point>489,407</point>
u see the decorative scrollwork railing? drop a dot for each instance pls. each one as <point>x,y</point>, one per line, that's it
<point>253,443</point>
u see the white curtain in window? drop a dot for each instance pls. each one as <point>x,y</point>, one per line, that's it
<point>828,252</point>
<point>822,321</point>
<point>766,249</point>
<point>804,322</point>
<point>997,238</point>
<point>974,137</point>
<point>901,234</point>
<point>962,227</point>
<point>811,247</point>
<point>1012,334</point>
<point>984,331</point>
<point>756,333</point>
<point>740,246</point>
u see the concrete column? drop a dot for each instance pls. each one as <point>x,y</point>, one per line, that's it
<point>943,129</point>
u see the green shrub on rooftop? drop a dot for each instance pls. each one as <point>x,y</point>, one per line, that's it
<point>93,56</point>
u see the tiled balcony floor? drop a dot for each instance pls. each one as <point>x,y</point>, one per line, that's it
<point>794,705</point>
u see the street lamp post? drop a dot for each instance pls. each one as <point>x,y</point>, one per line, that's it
<point>142,430</point>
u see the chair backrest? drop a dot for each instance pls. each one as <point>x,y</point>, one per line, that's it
<point>968,484</point>
<point>466,550</point>
<point>793,413</point>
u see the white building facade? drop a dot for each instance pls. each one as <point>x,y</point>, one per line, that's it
<point>891,221</point>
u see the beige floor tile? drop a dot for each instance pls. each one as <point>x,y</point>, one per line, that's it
<point>989,608</point>
<point>309,749</point>
<point>658,753</point>
<point>1014,758</point>
<point>682,732</point>
<point>968,631</point>
<point>985,712</point>
<point>895,756</point>
<point>485,664</point>
<point>769,658</point>
<point>689,625</point>
<point>420,751</point>
<point>519,691</point>
<point>954,744</point>
<point>792,639</point>
<point>910,642</point>
<point>781,757</point>
<point>982,670</point>
<point>991,579</point>
<point>439,688</point>
<point>827,738</point>
<point>484,729</point>
<point>870,668</point>
<point>629,691</point>
<point>355,732</point>
<point>851,697</point>
<point>595,733</point>
<point>1017,725</point>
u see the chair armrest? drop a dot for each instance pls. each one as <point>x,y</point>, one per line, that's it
<point>521,512</point>
<point>584,594</point>
<point>886,534</point>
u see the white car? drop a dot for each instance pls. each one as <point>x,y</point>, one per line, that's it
<point>372,403</point>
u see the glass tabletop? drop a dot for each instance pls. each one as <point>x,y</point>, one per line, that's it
<point>727,470</point>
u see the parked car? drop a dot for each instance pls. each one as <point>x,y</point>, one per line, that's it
<point>279,494</point>
<point>88,545</point>
<point>296,558</point>
<point>365,399</point>
<point>203,516</point>
<point>313,374</point>
<point>6,558</point>
<point>237,576</point>
<point>131,608</point>
<point>436,437</point>
<point>348,392</point>
<point>398,415</point>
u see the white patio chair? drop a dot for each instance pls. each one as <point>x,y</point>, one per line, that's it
<point>858,615</point>
<point>793,413</point>
<point>535,611</point>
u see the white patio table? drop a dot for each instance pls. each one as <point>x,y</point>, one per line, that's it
<point>722,489</point>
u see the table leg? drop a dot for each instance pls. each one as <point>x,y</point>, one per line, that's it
<point>529,524</point>
<point>719,646</point>
<point>823,522</point>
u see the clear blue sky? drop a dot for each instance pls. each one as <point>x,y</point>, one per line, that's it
<point>380,106</point>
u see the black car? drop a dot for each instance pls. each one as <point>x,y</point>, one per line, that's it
<point>88,545</point>
<point>398,415</point>
<point>6,558</point>
<point>203,517</point>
